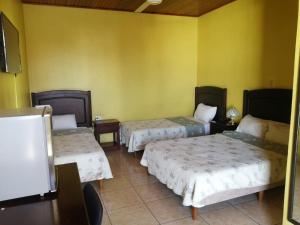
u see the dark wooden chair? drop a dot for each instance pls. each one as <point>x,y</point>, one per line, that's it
<point>93,205</point>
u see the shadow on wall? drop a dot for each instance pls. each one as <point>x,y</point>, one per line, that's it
<point>278,46</point>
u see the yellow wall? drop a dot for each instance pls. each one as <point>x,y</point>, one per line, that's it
<point>295,90</point>
<point>14,91</point>
<point>137,66</point>
<point>247,44</point>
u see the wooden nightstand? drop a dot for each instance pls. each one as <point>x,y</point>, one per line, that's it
<point>220,126</point>
<point>107,126</point>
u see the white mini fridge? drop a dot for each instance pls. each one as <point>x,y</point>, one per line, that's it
<point>26,155</point>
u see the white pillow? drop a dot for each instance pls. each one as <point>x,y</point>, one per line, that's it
<point>278,132</point>
<point>205,113</point>
<point>253,126</point>
<point>63,122</point>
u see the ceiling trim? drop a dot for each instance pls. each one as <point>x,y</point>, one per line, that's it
<point>157,10</point>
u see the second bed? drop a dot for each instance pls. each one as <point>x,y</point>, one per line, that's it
<point>136,134</point>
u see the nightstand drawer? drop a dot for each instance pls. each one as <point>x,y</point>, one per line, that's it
<point>107,128</point>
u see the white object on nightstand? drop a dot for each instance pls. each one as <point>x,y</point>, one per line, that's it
<point>98,117</point>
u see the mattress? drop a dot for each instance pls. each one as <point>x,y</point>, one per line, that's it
<point>79,145</point>
<point>136,134</point>
<point>202,169</point>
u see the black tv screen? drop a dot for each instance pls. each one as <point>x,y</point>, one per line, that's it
<point>10,60</point>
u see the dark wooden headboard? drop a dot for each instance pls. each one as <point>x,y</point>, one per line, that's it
<point>212,96</point>
<point>67,102</point>
<point>271,104</point>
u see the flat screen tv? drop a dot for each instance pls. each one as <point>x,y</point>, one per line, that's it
<point>10,60</point>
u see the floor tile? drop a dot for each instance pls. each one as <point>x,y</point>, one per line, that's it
<point>169,209</point>
<point>124,164</point>
<point>141,178</point>
<point>154,191</point>
<point>134,215</point>
<point>117,170</point>
<point>243,199</point>
<point>187,221</point>
<point>227,216</point>
<point>264,213</point>
<point>105,218</point>
<point>115,184</point>
<point>119,199</point>
<point>213,207</point>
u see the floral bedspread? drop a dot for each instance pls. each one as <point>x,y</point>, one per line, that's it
<point>201,167</point>
<point>79,145</point>
<point>136,134</point>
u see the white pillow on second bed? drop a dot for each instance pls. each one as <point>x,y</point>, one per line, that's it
<point>253,126</point>
<point>63,122</point>
<point>205,113</point>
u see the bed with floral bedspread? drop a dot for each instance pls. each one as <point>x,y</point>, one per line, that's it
<point>79,145</point>
<point>136,134</point>
<point>204,169</point>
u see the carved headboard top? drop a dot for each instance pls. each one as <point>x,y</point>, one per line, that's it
<point>67,102</point>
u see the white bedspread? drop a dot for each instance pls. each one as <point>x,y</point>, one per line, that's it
<point>79,145</point>
<point>201,167</point>
<point>136,134</point>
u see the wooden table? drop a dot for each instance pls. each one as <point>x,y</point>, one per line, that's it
<point>66,207</point>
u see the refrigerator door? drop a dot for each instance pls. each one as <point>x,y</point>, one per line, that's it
<point>24,169</point>
<point>48,137</point>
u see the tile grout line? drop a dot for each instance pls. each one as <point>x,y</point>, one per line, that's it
<point>207,211</point>
<point>108,214</point>
<point>234,206</point>
<point>154,199</point>
<point>104,208</point>
<point>204,220</point>
<point>144,203</point>
<point>171,221</point>
<point>109,219</point>
<point>245,214</point>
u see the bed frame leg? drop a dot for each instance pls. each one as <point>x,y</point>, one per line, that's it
<point>260,196</point>
<point>100,185</point>
<point>194,212</point>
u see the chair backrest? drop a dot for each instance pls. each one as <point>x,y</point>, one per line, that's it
<point>93,204</point>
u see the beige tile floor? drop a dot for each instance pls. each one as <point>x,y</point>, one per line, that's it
<point>134,198</point>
